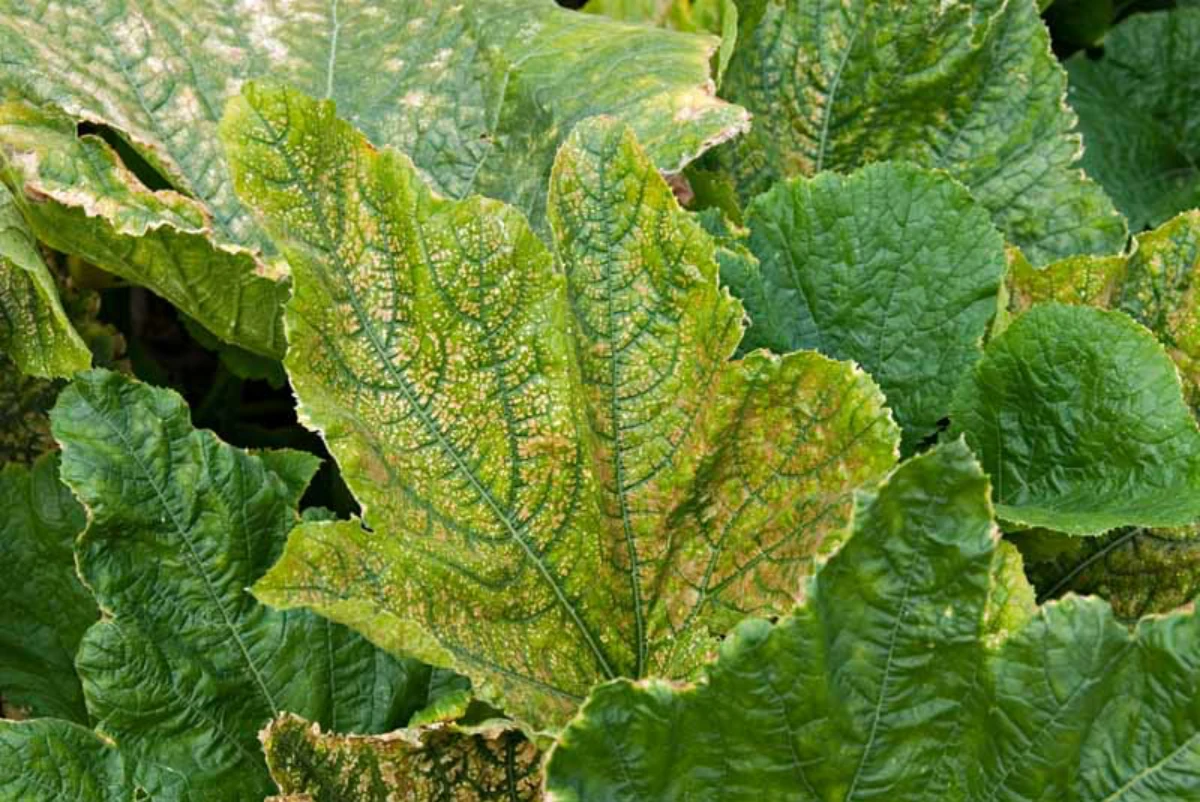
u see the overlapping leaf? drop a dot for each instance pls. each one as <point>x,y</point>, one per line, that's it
<point>479,94</point>
<point>443,761</point>
<point>889,682</point>
<point>34,330</point>
<point>894,267</point>
<point>564,477</point>
<point>1139,111</point>
<point>1138,571</point>
<point>44,608</point>
<point>24,404</point>
<point>1156,284</point>
<point>969,87</point>
<point>186,666</point>
<point>1078,416</point>
<point>80,199</point>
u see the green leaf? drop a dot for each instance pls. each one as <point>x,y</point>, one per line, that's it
<point>49,759</point>
<point>186,666</point>
<point>34,330</point>
<point>439,762</point>
<point>887,684</point>
<point>1139,111</point>
<point>1138,571</point>
<point>44,608</point>
<point>564,477</point>
<point>1077,415</point>
<point>1157,284</point>
<point>968,87</point>
<point>478,94</point>
<point>893,266</point>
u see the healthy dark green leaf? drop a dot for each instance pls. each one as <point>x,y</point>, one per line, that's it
<point>565,477</point>
<point>890,682</point>
<point>186,666</point>
<point>894,267</point>
<point>968,87</point>
<point>1078,417</point>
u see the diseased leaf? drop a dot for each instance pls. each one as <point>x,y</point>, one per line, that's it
<point>479,94</point>
<point>1138,571</point>
<point>888,683</point>
<point>1078,417</point>
<point>1156,284</point>
<point>80,199</point>
<point>438,763</point>
<point>894,267</point>
<point>1139,111</point>
<point>186,666</point>
<point>714,16</point>
<point>34,330</point>
<point>49,759</point>
<point>968,87</point>
<point>24,404</point>
<point>564,477</point>
<point>1076,280</point>
<point>44,608</point>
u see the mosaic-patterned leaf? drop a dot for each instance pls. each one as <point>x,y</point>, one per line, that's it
<point>442,762</point>
<point>1138,571</point>
<point>35,332</point>
<point>564,477</point>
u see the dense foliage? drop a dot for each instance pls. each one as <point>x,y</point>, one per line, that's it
<point>658,400</point>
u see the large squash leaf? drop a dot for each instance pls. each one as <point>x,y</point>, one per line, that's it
<point>969,87</point>
<point>1078,416</point>
<point>890,682</point>
<point>439,761</point>
<point>894,267</point>
<point>564,477</point>
<point>479,94</point>
<point>186,666</point>
<point>44,608</point>
<point>1139,111</point>
<point>34,330</point>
